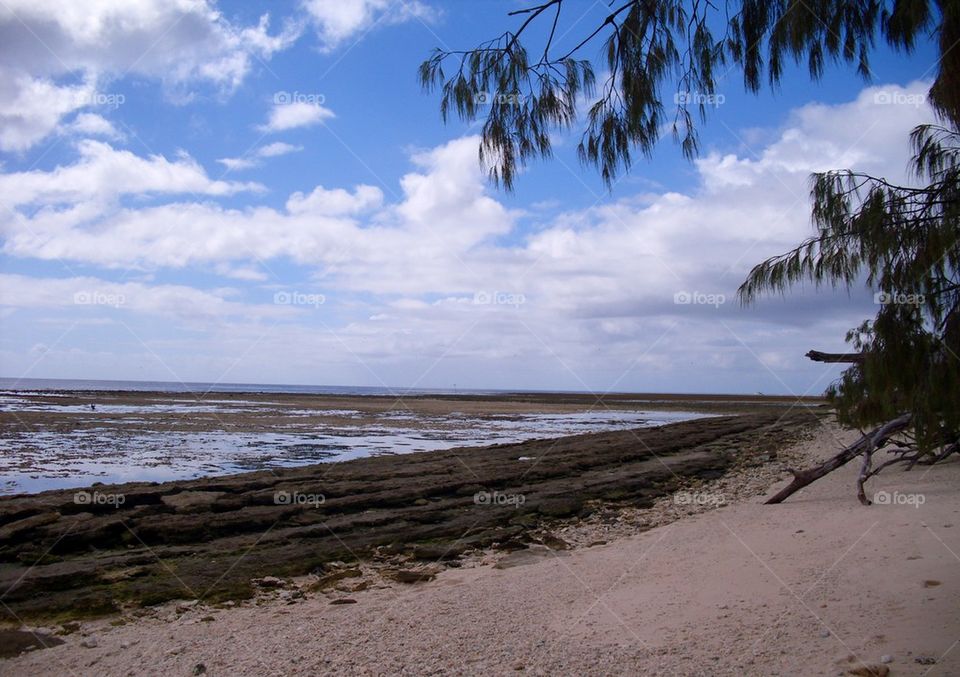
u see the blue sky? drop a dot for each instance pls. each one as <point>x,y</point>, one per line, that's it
<point>260,192</point>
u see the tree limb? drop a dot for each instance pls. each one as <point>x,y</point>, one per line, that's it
<point>853,358</point>
<point>868,443</point>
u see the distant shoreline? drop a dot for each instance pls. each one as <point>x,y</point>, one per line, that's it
<point>50,385</point>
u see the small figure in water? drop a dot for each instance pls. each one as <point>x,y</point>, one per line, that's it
<point>93,407</point>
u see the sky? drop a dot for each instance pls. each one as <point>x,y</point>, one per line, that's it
<point>260,192</point>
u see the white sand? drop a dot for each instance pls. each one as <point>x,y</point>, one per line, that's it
<point>747,589</point>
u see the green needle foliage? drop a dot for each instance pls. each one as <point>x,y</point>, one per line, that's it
<point>904,241</point>
<point>525,91</point>
<point>901,240</point>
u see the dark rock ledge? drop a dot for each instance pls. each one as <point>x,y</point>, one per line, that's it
<point>209,538</point>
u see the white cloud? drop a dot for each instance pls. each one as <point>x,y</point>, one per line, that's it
<point>182,43</point>
<point>284,116</point>
<point>91,124</point>
<point>237,163</point>
<point>278,148</point>
<point>252,159</point>
<point>444,272</point>
<point>89,295</point>
<point>103,173</point>
<point>336,202</point>
<point>337,21</point>
<point>31,108</point>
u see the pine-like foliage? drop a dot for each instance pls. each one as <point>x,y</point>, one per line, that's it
<point>523,93</point>
<point>905,242</point>
<point>902,240</point>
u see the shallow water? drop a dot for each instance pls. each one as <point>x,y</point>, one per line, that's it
<point>120,443</point>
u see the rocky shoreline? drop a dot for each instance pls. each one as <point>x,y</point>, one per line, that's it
<point>338,528</point>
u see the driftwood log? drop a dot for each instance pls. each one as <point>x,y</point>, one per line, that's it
<point>866,445</point>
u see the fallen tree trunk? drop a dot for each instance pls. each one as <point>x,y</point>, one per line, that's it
<point>866,444</point>
<point>850,358</point>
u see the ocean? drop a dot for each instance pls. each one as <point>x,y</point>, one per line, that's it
<point>54,384</point>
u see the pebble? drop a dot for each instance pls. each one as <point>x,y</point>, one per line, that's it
<point>89,642</point>
<point>824,633</point>
<point>886,659</point>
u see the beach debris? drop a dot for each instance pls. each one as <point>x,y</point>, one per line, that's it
<point>411,575</point>
<point>870,671</point>
<point>925,660</point>
<point>554,542</point>
<point>90,642</point>
<point>199,669</point>
<point>186,605</point>
<point>824,633</point>
<point>931,583</point>
<point>343,600</point>
<point>886,658</point>
<point>328,580</point>
<point>69,627</point>
<point>269,582</point>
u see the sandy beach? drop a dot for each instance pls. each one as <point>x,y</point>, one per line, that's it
<point>817,586</point>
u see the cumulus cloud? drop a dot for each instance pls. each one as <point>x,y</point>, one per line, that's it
<point>639,286</point>
<point>337,21</point>
<point>88,294</point>
<point>252,159</point>
<point>103,173</point>
<point>285,116</point>
<point>91,124</point>
<point>31,108</point>
<point>182,43</point>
